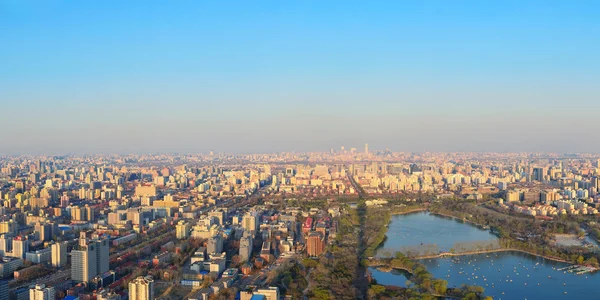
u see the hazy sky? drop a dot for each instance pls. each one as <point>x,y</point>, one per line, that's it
<point>267,76</point>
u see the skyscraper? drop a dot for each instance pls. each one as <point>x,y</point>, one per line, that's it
<point>141,288</point>
<point>367,149</point>
<point>89,259</point>
<point>59,254</point>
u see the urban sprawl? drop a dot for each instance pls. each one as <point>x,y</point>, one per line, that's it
<point>212,226</point>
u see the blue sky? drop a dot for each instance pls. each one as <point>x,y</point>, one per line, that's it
<point>268,76</point>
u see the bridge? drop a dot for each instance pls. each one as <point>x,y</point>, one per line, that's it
<point>380,262</point>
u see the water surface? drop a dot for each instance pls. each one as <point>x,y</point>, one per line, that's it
<point>505,275</point>
<point>415,229</point>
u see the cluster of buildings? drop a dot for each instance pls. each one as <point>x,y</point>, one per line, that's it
<point>560,207</point>
<point>82,224</point>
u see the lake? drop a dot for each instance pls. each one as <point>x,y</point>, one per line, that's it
<point>506,275</point>
<point>427,229</point>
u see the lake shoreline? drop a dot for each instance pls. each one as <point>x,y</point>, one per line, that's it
<point>481,226</point>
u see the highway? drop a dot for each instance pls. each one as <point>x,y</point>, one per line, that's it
<point>357,188</point>
<point>51,279</point>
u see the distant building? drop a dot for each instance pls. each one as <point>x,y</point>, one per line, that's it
<point>145,190</point>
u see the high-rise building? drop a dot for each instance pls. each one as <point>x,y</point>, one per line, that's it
<point>219,215</point>
<point>141,288</point>
<point>5,244</point>
<point>367,149</point>
<point>89,259</point>
<point>250,221</point>
<point>89,213</point>
<point>245,247</point>
<point>9,227</point>
<point>59,254</point>
<point>41,292</point>
<point>20,247</point>
<point>539,173</point>
<point>64,200</point>
<point>315,243</point>
<point>183,230</point>
<point>596,182</point>
<point>215,244</point>
<point>43,232</point>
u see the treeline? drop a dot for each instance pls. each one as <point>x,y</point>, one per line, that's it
<point>334,272</point>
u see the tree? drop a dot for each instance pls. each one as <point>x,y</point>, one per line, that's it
<point>321,294</point>
<point>592,261</point>
<point>309,263</point>
<point>377,289</point>
<point>440,286</point>
<point>580,260</point>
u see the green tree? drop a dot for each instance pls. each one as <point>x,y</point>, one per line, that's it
<point>440,286</point>
<point>377,289</point>
<point>321,294</point>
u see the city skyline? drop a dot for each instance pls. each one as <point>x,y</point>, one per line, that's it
<point>158,150</point>
<point>112,77</point>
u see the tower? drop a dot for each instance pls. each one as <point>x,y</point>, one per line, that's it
<point>89,259</point>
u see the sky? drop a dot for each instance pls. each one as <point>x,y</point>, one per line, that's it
<point>270,76</point>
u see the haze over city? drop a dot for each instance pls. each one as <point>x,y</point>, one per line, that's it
<point>247,77</point>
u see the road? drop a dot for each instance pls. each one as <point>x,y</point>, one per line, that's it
<point>359,190</point>
<point>58,276</point>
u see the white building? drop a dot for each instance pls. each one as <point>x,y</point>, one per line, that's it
<point>141,288</point>
<point>41,292</point>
